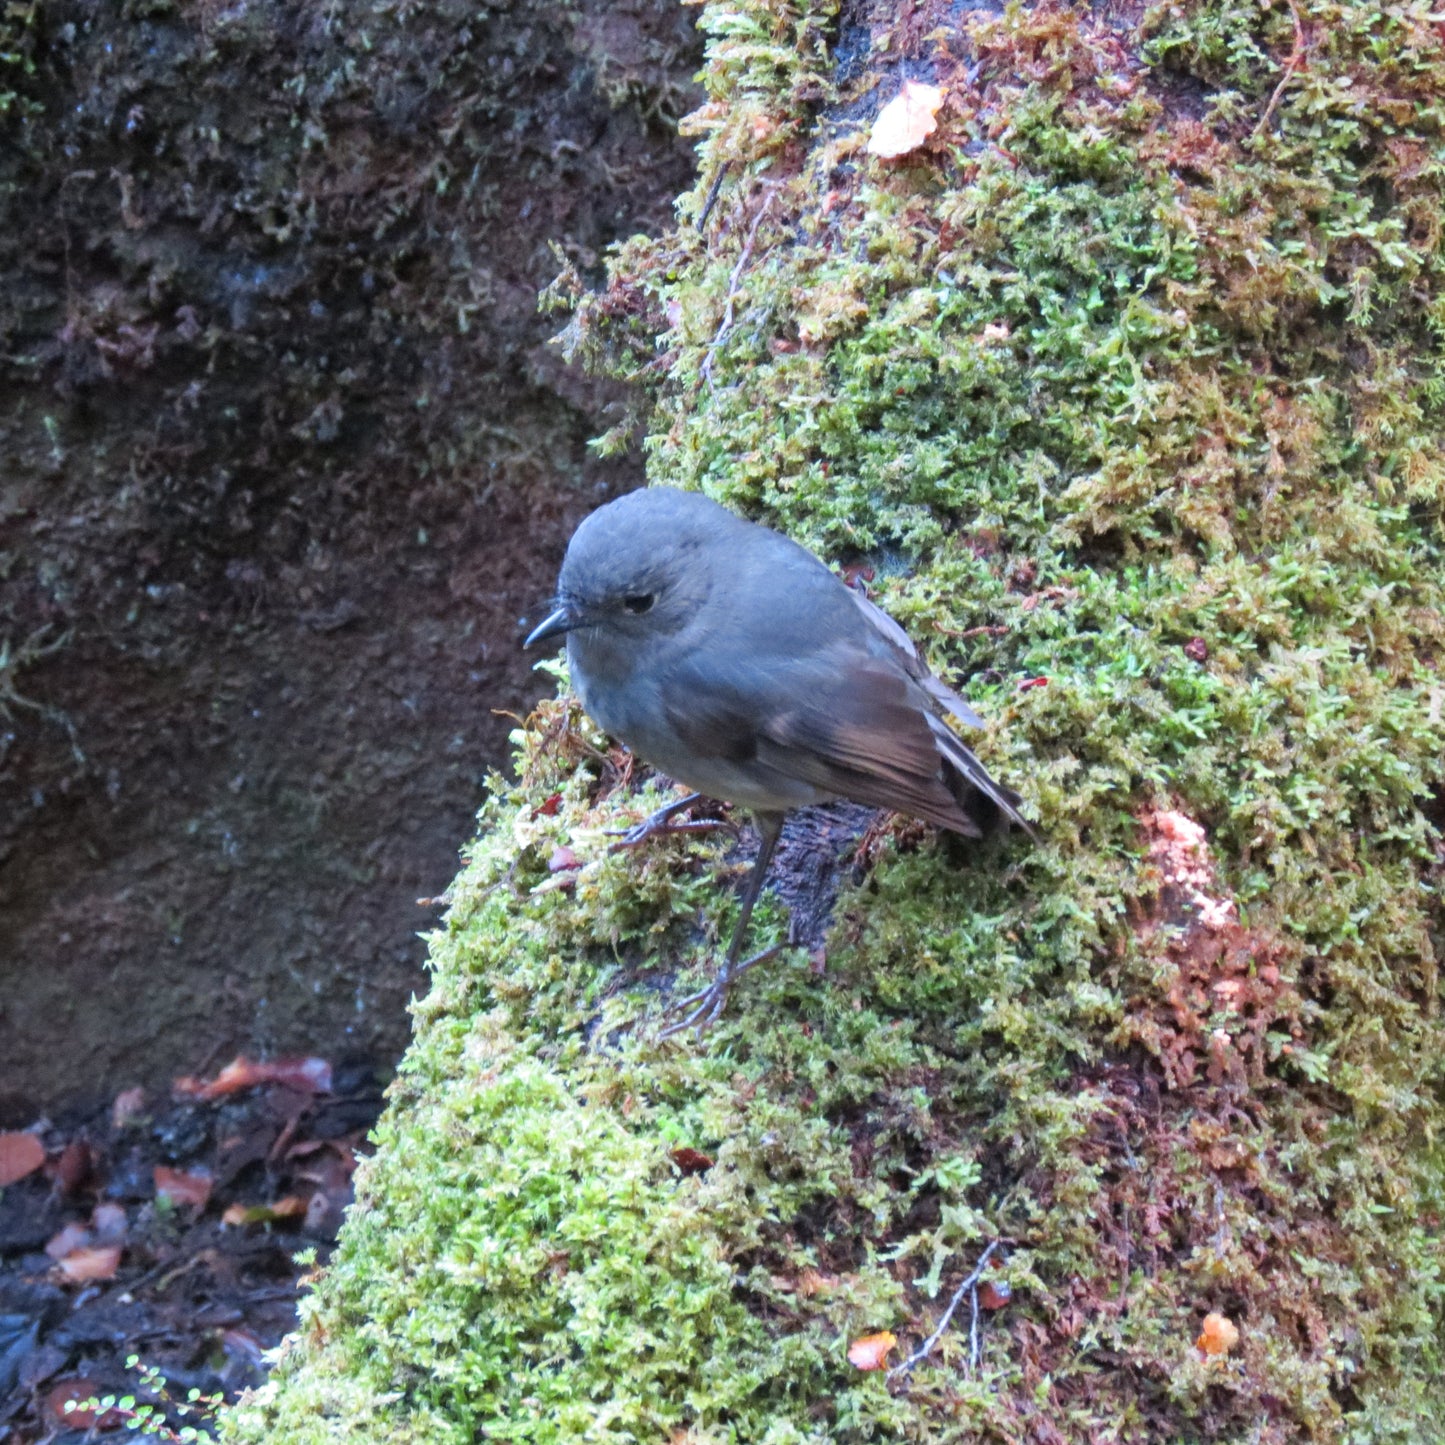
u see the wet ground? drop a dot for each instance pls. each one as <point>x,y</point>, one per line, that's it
<point>237,865</point>
<point>162,1235</point>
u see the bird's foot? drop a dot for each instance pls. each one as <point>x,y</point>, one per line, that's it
<point>663,822</point>
<point>703,1009</point>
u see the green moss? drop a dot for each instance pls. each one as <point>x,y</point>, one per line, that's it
<point>1129,381</point>
<point>17,59</point>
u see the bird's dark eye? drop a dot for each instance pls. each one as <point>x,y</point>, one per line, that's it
<point>639,602</point>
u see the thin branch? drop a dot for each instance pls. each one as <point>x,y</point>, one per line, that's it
<point>1296,59</point>
<point>969,1287</point>
<point>713,191</point>
<point>734,286</point>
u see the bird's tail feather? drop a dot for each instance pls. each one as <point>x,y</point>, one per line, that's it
<point>980,784</point>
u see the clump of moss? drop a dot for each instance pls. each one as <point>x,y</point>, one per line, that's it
<point>17,59</point>
<point>1129,382</point>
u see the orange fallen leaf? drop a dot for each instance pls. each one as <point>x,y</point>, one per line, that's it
<point>177,1187</point>
<point>309,1076</point>
<point>20,1154</point>
<point>1218,1336</point>
<point>906,121</point>
<point>870,1352</point>
<point>90,1261</point>
<point>292,1206</point>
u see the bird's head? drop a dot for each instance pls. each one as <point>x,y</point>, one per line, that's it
<point>637,568</point>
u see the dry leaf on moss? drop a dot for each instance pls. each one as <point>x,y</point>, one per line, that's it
<point>994,1294</point>
<point>906,121</point>
<point>690,1161</point>
<point>1218,1336</point>
<point>870,1352</point>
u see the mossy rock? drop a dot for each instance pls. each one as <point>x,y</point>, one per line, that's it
<point>1127,382</point>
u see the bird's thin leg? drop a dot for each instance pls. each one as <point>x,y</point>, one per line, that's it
<point>707,1005</point>
<point>661,822</point>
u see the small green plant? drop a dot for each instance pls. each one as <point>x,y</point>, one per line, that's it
<point>17,63</point>
<point>154,1418</point>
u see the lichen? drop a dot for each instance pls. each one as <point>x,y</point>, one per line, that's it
<point>1128,382</point>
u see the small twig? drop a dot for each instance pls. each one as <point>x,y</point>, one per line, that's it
<point>969,631</point>
<point>734,286</point>
<point>969,1287</point>
<point>713,191</point>
<point>973,1347</point>
<point>1296,59</point>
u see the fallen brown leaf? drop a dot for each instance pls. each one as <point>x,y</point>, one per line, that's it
<point>90,1261</point>
<point>73,1393</point>
<point>20,1154</point>
<point>307,1076</point>
<point>178,1187</point>
<point>690,1161</point>
<point>74,1166</point>
<point>994,1294</point>
<point>292,1206</point>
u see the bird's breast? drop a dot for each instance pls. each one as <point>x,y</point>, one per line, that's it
<point>632,705</point>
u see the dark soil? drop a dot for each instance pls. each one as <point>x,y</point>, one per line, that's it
<point>285,461</point>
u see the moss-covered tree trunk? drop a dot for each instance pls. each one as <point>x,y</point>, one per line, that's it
<point>1127,382</point>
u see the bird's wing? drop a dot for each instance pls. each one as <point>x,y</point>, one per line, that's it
<point>845,722</point>
<point>913,664</point>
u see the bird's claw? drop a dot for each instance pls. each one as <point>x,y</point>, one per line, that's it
<point>661,823</point>
<point>707,1004</point>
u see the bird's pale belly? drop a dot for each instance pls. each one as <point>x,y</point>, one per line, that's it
<point>752,782</point>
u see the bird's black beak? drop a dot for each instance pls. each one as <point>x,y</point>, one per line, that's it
<point>563,619</point>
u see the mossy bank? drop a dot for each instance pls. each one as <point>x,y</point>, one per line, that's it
<point>1127,383</point>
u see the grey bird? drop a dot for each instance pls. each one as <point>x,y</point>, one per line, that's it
<point>732,660</point>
